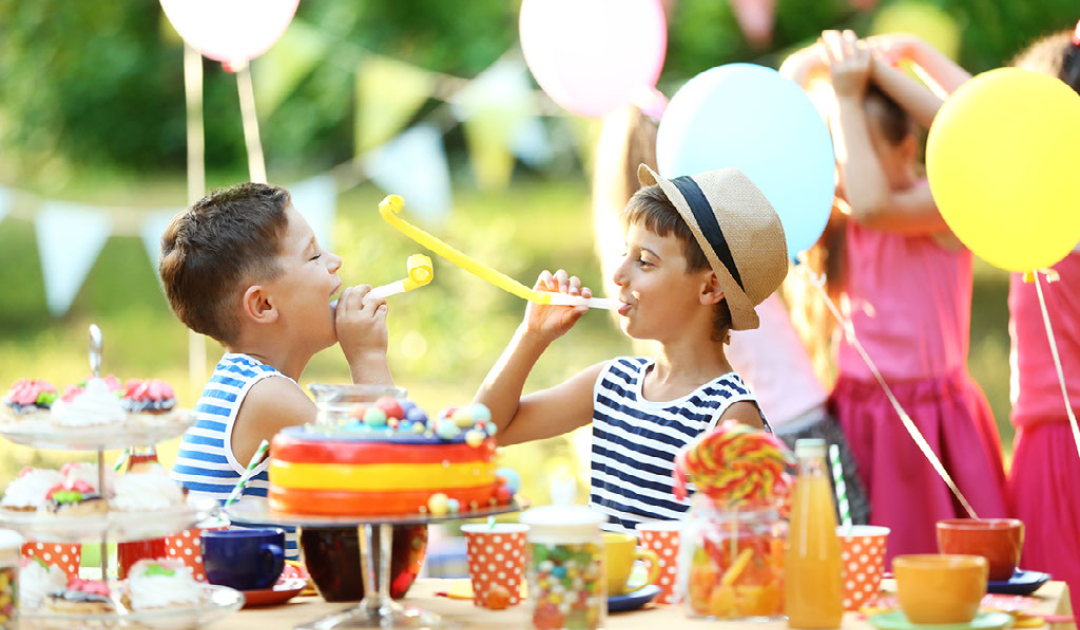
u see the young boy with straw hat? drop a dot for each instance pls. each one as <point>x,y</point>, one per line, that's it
<point>702,252</point>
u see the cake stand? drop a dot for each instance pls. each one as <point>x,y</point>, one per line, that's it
<point>377,609</point>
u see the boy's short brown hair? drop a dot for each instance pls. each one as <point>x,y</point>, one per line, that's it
<point>229,237</point>
<point>651,209</point>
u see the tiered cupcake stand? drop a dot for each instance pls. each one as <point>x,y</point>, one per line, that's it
<point>377,609</point>
<point>218,601</point>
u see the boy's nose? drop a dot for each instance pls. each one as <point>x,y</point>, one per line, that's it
<point>619,277</point>
<point>335,263</point>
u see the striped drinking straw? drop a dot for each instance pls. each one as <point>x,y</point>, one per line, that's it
<point>256,459</point>
<point>841,487</point>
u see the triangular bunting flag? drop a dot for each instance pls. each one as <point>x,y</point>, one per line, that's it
<point>316,199</point>
<point>494,107</point>
<point>414,166</point>
<point>388,93</point>
<point>70,237</point>
<point>5,202</point>
<point>281,68</point>
<point>755,18</point>
<point>150,230</point>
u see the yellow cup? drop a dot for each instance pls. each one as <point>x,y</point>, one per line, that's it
<point>620,554</point>
<point>940,588</point>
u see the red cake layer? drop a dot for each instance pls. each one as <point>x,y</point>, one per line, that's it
<point>302,451</point>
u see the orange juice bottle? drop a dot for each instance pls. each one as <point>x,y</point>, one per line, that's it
<point>813,592</point>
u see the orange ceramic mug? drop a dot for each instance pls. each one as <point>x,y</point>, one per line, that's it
<point>999,540</point>
<point>940,588</point>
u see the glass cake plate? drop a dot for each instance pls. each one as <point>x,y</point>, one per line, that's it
<point>218,602</point>
<point>118,526</point>
<point>40,431</point>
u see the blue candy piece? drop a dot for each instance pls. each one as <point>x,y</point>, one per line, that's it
<point>559,572</point>
<point>446,429</point>
<point>453,505</point>
<point>513,479</point>
<point>406,405</point>
<point>416,414</point>
<point>479,412</point>
<point>354,425</point>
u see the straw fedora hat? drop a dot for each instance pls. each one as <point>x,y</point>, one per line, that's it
<point>738,230</point>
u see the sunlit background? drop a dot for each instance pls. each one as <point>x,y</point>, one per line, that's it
<point>425,98</point>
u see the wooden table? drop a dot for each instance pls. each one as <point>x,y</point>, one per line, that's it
<point>1055,596</point>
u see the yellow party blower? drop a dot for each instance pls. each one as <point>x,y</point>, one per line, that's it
<point>391,207</point>
<point>419,272</point>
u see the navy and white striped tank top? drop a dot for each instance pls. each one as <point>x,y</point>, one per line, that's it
<point>635,440</point>
<point>205,464</point>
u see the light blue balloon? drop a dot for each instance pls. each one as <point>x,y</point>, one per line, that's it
<point>750,117</point>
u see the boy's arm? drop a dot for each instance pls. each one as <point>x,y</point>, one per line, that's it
<point>803,65</point>
<point>501,390</point>
<point>872,201</point>
<point>361,329</point>
<point>270,405</point>
<point>745,412</point>
<point>942,74</point>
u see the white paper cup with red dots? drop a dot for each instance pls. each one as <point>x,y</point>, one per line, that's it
<point>65,556</point>
<point>862,558</point>
<point>662,538</point>
<point>496,555</point>
<point>186,546</point>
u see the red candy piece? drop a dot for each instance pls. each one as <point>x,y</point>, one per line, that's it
<point>391,407</point>
<point>503,495</point>
<point>498,598</point>
<point>548,617</point>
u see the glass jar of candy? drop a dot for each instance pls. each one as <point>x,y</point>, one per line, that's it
<point>565,570</point>
<point>10,552</point>
<point>731,562</point>
<point>341,404</point>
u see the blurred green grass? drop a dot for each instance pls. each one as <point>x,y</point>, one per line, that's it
<point>443,338</point>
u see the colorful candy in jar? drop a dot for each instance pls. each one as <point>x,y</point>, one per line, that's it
<point>567,585</point>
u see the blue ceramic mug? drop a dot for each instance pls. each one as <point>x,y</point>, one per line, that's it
<point>244,559</point>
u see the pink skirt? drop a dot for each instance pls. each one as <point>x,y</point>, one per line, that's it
<point>906,494</point>
<point>1043,492</point>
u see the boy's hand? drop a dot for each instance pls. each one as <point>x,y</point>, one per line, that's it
<point>849,63</point>
<point>547,322</point>
<point>361,323</point>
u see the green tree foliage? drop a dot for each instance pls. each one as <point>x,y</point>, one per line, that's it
<point>102,82</point>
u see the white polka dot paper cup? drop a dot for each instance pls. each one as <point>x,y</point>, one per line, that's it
<point>496,555</point>
<point>862,556</point>
<point>662,538</point>
<point>65,556</point>
<point>186,546</point>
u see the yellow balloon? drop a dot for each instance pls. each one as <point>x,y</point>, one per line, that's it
<point>1002,160</point>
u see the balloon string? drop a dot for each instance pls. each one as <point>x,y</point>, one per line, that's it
<point>256,163</point>
<point>1057,362</point>
<point>913,431</point>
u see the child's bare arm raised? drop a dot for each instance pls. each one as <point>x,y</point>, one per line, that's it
<point>942,74</point>
<point>553,411</point>
<point>867,191</point>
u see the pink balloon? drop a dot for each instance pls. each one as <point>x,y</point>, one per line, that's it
<point>590,56</point>
<point>230,31</point>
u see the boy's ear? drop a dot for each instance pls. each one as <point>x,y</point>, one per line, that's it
<point>257,307</point>
<point>711,293</point>
<point>909,149</point>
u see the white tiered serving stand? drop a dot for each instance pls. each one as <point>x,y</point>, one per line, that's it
<point>218,601</point>
<point>377,609</point>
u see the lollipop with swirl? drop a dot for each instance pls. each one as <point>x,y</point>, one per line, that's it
<point>737,466</point>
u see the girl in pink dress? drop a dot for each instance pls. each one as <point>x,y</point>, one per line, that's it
<point>1042,486</point>
<point>906,292</point>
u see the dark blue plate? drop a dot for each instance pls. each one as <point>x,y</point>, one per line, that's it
<point>1021,583</point>
<point>633,600</point>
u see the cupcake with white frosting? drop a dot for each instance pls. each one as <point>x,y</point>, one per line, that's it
<point>96,404</point>
<point>149,491</point>
<point>156,584</point>
<point>38,580</point>
<point>27,492</point>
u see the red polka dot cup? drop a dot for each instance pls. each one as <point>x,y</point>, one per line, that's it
<point>186,546</point>
<point>862,558</point>
<point>662,538</point>
<point>67,557</point>
<point>496,555</point>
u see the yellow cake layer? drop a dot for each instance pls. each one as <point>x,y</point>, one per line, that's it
<point>377,477</point>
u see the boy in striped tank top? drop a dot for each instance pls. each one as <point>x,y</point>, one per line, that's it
<point>242,266</point>
<point>702,252</point>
